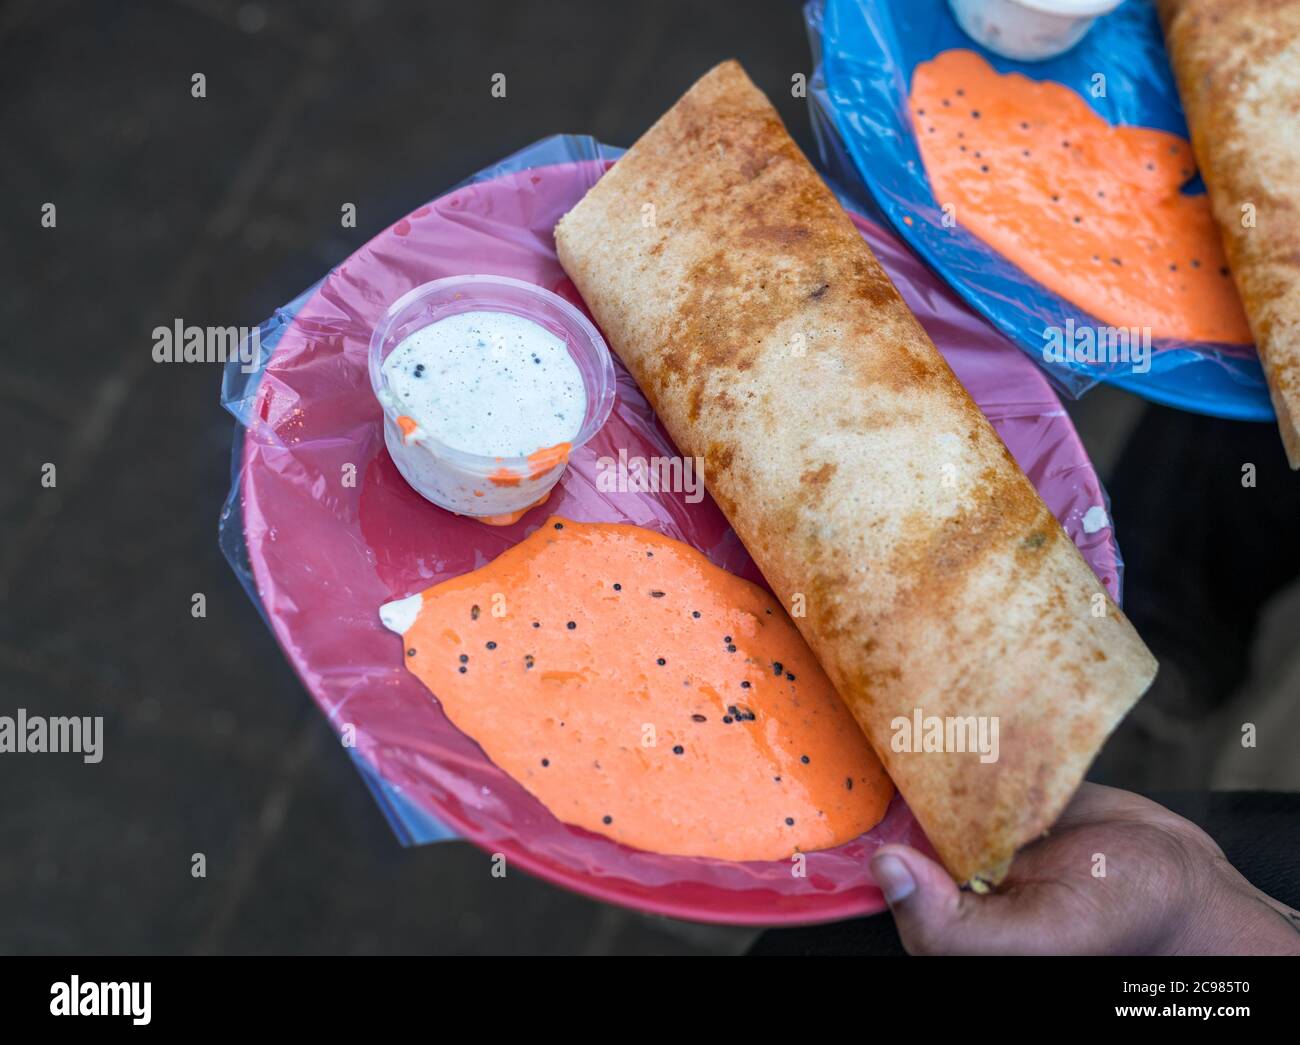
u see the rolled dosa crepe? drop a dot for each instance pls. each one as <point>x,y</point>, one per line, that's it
<point>915,557</point>
<point>1238,69</point>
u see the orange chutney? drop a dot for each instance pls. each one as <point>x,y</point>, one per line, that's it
<point>641,692</point>
<point>1090,210</point>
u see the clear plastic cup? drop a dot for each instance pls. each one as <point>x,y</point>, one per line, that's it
<point>1029,30</point>
<point>497,490</point>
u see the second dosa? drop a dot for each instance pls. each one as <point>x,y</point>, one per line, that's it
<point>865,482</point>
<point>1238,68</point>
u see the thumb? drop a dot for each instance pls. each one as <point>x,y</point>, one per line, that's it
<point>935,917</point>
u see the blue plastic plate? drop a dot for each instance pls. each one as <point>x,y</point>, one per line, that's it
<point>869,50</point>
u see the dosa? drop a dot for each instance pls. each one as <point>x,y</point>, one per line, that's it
<point>917,560</point>
<point>1238,69</point>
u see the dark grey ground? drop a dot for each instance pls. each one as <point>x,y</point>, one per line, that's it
<point>217,210</point>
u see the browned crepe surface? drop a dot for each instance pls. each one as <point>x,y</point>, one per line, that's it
<point>863,479</point>
<point>1238,69</point>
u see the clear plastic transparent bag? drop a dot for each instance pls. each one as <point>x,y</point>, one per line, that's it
<point>865,52</point>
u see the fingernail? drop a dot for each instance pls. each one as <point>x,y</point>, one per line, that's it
<point>893,877</point>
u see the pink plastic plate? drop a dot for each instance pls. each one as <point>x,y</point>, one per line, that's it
<point>326,552</point>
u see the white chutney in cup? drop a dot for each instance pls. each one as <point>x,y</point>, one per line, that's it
<point>487,385</point>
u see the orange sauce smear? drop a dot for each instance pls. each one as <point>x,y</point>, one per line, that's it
<point>1090,210</point>
<point>407,425</point>
<point>510,518</point>
<point>641,692</point>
